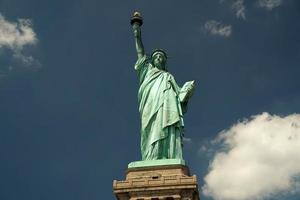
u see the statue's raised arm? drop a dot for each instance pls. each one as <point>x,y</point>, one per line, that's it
<point>136,22</point>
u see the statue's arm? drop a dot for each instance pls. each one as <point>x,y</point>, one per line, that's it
<point>138,40</point>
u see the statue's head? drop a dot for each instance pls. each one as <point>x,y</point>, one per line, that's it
<point>159,59</point>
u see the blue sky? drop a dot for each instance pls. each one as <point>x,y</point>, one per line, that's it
<point>68,91</point>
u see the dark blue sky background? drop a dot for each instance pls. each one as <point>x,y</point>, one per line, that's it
<point>70,128</point>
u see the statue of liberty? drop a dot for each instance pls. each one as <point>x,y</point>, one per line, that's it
<point>162,102</point>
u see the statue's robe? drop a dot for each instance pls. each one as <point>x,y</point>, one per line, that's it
<point>161,112</point>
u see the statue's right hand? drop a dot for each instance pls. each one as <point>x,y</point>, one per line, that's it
<point>136,33</point>
<point>136,30</point>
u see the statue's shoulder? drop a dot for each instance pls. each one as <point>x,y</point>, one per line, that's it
<point>170,76</point>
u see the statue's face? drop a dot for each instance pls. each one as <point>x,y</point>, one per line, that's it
<point>159,61</point>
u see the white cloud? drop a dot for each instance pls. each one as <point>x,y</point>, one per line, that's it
<point>239,8</point>
<point>14,36</point>
<point>260,159</point>
<point>217,28</point>
<point>269,4</point>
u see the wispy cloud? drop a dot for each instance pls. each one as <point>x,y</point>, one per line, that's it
<point>217,28</point>
<point>269,4</point>
<point>259,159</point>
<point>27,61</point>
<point>187,140</point>
<point>14,36</point>
<point>239,7</point>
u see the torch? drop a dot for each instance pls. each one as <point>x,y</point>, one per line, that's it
<point>136,19</point>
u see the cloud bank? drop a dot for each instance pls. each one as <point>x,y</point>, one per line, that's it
<point>14,36</point>
<point>259,159</point>
<point>217,28</point>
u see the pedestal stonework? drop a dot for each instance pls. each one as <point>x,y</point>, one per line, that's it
<point>157,183</point>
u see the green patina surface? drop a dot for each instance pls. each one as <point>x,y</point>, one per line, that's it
<point>161,162</point>
<point>162,104</point>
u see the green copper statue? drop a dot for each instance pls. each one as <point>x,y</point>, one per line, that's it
<point>162,102</point>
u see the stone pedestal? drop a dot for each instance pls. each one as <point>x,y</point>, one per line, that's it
<point>157,183</point>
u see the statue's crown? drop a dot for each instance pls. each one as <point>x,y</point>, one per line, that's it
<point>155,51</point>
